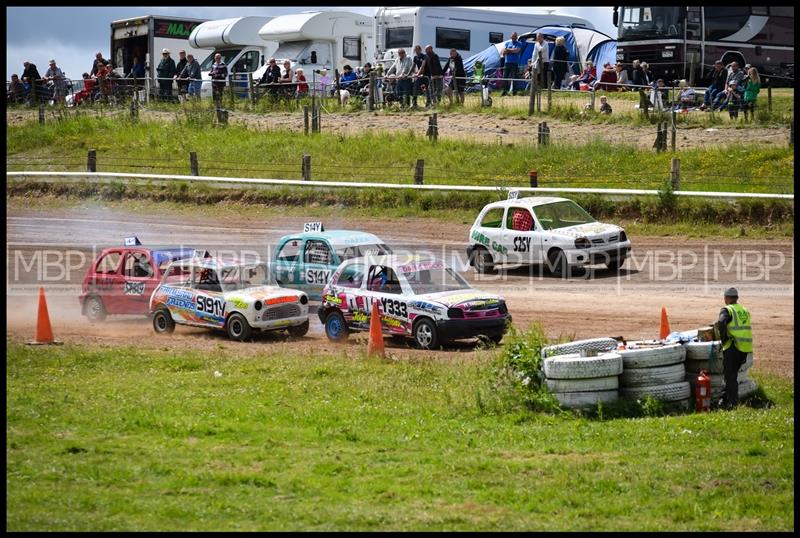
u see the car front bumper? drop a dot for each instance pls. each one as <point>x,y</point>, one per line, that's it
<point>598,255</point>
<point>455,329</point>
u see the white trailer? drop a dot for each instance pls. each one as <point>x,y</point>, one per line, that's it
<point>321,40</point>
<point>237,39</point>
<point>145,37</point>
<point>468,30</point>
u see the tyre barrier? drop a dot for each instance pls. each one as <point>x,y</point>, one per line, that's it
<point>593,384</point>
<point>597,344</point>
<point>702,351</point>
<point>746,385</point>
<point>573,366</point>
<point>586,399</point>
<point>649,356</point>
<point>714,366</point>
<point>657,375</point>
<point>672,392</point>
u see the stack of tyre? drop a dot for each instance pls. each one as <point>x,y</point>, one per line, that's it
<point>654,369</point>
<point>582,381</point>
<point>708,356</point>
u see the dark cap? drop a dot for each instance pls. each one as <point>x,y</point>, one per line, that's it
<point>731,292</point>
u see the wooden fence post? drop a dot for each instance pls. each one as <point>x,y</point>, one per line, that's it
<point>306,167</point>
<point>193,163</point>
<point>41,114</point>
<point>545,134</point>
<point>134,109</point>
<point>593,96</point>
<point>91,161</point>
<point>305,120</point>
<point>318,117</point>
<point>419,170</point>
<point>675,175</point>
<point>769,98</point>
<point>435,126</point>
<point>532,99</point>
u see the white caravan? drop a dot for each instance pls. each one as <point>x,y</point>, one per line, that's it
<point>468,30</point>
<point>320,40</point>
<point>237,39</point>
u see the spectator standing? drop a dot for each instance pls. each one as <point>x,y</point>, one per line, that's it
<point>16,91</point>
<point>647,74</point>
<point>137,70</point>
<point>716,84</point>
<point>539,61</point>
<point>751,89</point>
<point>219,74</point>
<point>302,85</point>
<point>401,71</point>
<point>33,79</point>
<point>56,76</point>
<point>638,75</point>
<point>456,66</point>
<point>183,84</point>
<point>324,83</point>
<point>659,95</point>
<point>348,79</point>
<point>165,71</point>
<point>511,67</point>
<point>418,59</point>
<point>560,61</point>
<point>271,76</point>
<point>622,77</point>
<point>98,62</point>
<point>192,75</point>
<point>432,70</point>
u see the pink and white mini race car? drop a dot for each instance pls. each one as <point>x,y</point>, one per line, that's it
<point>418,296</point>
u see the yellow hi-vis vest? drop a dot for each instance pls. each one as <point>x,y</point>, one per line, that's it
<point>739,331</point>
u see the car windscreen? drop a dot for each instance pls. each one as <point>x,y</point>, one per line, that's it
<point>356,251</point>
<point>433,278</point>
<point>246,276</point>
<point>561,215</point>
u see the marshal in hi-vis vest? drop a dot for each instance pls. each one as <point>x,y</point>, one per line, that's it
<point>739,330</point>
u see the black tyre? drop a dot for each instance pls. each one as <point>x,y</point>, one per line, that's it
<point>482,260</point>
<point>335,327</point>
<point>425,334</point>
<point>237,327</point>
<point>496,338</point>
<point>616,263</point>
<point>299,330</point>
<point>95,309</point>
<point>163,322</point>
<point>557,262</point>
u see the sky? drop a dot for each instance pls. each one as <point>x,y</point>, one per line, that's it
<point>72,35</point>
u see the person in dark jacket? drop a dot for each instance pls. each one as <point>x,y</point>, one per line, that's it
<point>97,64</point>
<point>191,75</point>
<point>16,91</point>
<point>219,74</point>
<point>736,335</point>
<point>271,77</point>
<point>638,75</point>
<point>183,85</point>
<point>716,84</point>
<point>458,81</point>
<point>33,79</point>
<point>418,59</point>
<point>165,71</point>
<point>431,70</point>
<point>137,69</point>
<point>560,59</point>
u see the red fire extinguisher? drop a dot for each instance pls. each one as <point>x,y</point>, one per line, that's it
<point>702,392</point>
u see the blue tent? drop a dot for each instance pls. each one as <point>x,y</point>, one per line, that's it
<point>582,44</point>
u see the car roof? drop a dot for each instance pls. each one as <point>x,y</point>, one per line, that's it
<point>339,238</point>
<point>532,201</point>
<point>394,260</point>
<point>215,263</point>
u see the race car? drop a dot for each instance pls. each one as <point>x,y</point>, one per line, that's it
<point>228,294</point>
<point>418,296</point>
<point>121,279</point>
<point>306,260</point>
<point>539,229</point>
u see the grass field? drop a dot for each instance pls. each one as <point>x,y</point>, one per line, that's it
<point>105,438</point>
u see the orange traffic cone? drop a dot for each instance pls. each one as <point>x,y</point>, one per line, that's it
<point>44,333</point>
<point>375,342</point>
<point>664,324</point>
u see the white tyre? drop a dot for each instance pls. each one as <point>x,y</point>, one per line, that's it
<point>658,375</point>
<point>668,393</point>
<point>715,366</point>
<point>576,367</point>
<point>648,356</point>
<point>702,351</point>
<point>583,385</point>
<point>567,348</point>
<point>586,399</point>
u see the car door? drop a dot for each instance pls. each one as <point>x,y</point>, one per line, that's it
<point>384,287</point>
<point>287,260</point>
<point>316,269</point>
<point>520,237</point>
<point>138,281</point>
<point>106,281</point>
<point>488,232</point>
<point>209,303</point>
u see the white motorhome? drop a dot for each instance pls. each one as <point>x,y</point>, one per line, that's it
<point>237,39</point>
<point>468,30</point>
<point>145,37</point>
<point>321,40</point>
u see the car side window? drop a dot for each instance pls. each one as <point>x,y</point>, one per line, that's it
<point>290,251</point>
<point>545,215</point>
<point>206,279</point>
<point>352,276</point>
<point>317,252</point>
<point>383,279</point>
<point>493,218</point>
<point>109,263</point>
<point>519,219</point>
<point>137,265</point>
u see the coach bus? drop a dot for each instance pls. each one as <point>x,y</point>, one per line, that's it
<point>684,42</point>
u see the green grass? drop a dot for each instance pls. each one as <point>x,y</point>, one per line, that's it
<point>164,147</point>
<point>109,438</point>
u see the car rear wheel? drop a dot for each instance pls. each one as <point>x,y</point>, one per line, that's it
<point>482,261</point>
<point>237,327</point>
<point>557,262</point>
<point>335,327</point>
<point>163,322</point>
<point>95,310</point>
<point>425,334</point>
<point>299,330</point>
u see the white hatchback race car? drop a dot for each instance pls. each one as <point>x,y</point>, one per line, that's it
<point>418,296</point>
<point>539,229</point>
<point>229,294</point>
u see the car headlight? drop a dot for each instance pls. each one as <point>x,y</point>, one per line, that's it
<point>258,305</point>
<point>583,242</point>
<point>667,53</point>
<point>623,236</point>
<point>455,313</point>
<point>304,299</point>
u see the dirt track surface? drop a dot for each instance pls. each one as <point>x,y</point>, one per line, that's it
<point>483,128</point>
<point>685,276</point>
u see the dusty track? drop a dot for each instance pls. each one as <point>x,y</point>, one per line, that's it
<point>685,276</point>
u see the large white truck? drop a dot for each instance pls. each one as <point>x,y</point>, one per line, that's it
<point>238,40</point>
<point>145,37</point>
<point>468,30</point>
<point>321,40</point>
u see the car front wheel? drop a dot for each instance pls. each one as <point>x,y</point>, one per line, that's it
<point>425,334</point>
<point>237,327</point>
<point>557,262</point>
<point>482,261</point>
<point>616,263</point>
<point>299,330</point>
<point>163,322</point>
<point>335,327</point>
